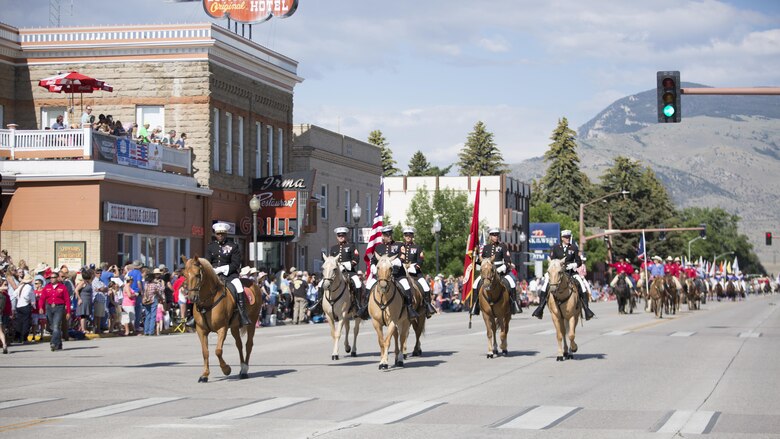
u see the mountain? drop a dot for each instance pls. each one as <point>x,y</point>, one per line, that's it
<point>724,153</point>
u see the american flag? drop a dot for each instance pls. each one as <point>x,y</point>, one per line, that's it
<point>376,229</point>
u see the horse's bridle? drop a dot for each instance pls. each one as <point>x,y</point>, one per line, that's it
<point>196,289</point>
<point>326,287</point>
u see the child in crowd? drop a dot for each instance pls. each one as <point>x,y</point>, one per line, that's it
<point>39,320</point>
<point>160,318</point>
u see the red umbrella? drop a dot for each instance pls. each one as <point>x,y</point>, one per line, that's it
<point>73,82</point>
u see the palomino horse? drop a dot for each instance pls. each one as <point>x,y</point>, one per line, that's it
<point>336,304</point>
<point>565,308</point>
<point>386,308</point>
<point>215,311</point>
<point>623,294</point>
<point>657,296</point>
<point>494,304</point>
<point>418,304</point>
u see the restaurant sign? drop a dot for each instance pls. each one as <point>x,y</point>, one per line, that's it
<point>279,197</point>
<point>123,213</point>
<point>250,11</point>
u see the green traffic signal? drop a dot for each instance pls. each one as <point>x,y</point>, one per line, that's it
<point>669,111</point>
<point>668,92</point>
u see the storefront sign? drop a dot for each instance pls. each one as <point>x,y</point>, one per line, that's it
<point>543,236</point>
<point>279,197</point>
<point>70,253</point>
<point>250,11</point>
<point>197,231</point>
<point>123,213</point>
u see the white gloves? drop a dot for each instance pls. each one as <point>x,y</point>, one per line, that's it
<point>501,268</point>
<point>571,266</point>
<point>412,269</point>
<point>346,266</point>
<point>222,269</point>
<point>396,262</point>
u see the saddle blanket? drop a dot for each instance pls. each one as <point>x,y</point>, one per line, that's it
<point>250,296</point>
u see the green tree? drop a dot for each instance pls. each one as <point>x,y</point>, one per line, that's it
<point>388,164</point>
<point>454,214</point>
<point>564,186</point>
<point>480,155</point>
<point>418,165</point>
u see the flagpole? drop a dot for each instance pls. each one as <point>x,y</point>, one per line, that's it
<point>471,297</point>
<point>644,250</point>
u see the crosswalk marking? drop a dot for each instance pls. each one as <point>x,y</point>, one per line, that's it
<point>749,334</point>
<point>540,417</point>
<point>681,334</point>
<point>617,332</point>
<point>395,412</point>
<point>255,408</point>
<point>119,408</point>
<point>546,332</point>
<point>21,402</point>
<point>687,422</point>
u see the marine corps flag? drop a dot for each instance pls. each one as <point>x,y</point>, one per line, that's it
<point>471,247</point>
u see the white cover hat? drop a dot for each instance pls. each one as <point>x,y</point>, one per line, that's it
<point>221,227</point>
<point>493,231</point>
<point>338,230</point>
<point>408,229</point>
<point>566,233</point>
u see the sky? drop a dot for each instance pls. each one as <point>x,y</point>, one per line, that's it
<point>425,72</point>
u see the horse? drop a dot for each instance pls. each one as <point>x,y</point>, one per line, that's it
<point>418,324</point>
<point>692,294</point>
<point>719,291</point>
<point>672,303</point>
<point>386,308</point>
<point>657,296</point>
<point>565,308</point>
<point>215,311</point>
<point>731,291</point>
<point>494,304</point>
<point>337,304</point>
<point>623,294</point>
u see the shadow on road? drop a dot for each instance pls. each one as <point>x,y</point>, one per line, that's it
<point>161,364</point>
<point>589,356</point>
<point>353,363</point>
<point>270,373</point>
<point>522,353</point>
<point>436,354</point>
<point>411,364</point>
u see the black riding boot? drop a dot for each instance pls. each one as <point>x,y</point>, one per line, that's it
<point>191,321</point>
<point>429,309</point>
<point>241,305</point>
<point>475,295</point>
<point>409,308</point>
<point>584,298</point>
<point>362,305</point>
<point>539,311</point>
<point>512,297</point>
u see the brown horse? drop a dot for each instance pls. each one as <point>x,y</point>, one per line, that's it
<point>693,295</point>
<point>494,304</point>
<point>386,308</point>
<point>657,296</point>
<point>337,305</point>
<point>565,308</point>
<point>672,302</point>
<point>215,311</point>
<point>418,324</point>
<point>731,291</point>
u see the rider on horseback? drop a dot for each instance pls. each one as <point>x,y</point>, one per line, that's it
<point>569,252</point>
<point>673,269</point>
<point>225,256</point>
<point>390,248</point>
<point>500,254</point>
<point>624,268</point>
<point>412,255</point>
<point>348,256</point>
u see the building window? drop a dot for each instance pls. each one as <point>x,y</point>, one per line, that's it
<point>154,115</point>
<point>347,214</point>
<point>48,116</point>
<point>241,146</point>
<point>215,138</point>
<point>369,211</point>
<point>279,151</point>
<point>228,143</point>
<point>270,143</point>
<point>2,118</point>
<point>124,249</point>
<point>258,150</point>
<point>324,201</point>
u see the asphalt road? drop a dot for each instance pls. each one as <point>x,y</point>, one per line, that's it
<point>712,372</point>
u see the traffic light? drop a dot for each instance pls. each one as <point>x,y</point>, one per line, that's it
<point>662,234</point>
<point>768,238</point>
<point>668,92</point>
<point>703,233</point>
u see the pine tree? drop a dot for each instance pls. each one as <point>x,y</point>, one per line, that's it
<point>418,165</point>
<point>564,186</point>
<point>480,155</point>
<point>388,164</point>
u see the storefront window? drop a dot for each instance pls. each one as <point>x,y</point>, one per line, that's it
<point>151,250</point>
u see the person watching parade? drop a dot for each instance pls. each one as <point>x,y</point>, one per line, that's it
<point>501,261</point>
<point>569,252</point>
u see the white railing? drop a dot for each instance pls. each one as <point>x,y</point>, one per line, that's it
<point>180,158</point>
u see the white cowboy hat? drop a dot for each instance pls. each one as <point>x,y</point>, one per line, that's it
<point>40,268</point>
<point>657,258</point>
<point>244,271</point>
<point>566,233</point>
<point>27,279</point>
<point>408,229</point>
<point>252,270</point>
<point>157,271</point>
<point>221,227</point>
<point>261,275</point>
<point>119,282</point>
<point>338,230</point>
<point>677,259</point>
<point>494,231</point>
<point>669,258</point>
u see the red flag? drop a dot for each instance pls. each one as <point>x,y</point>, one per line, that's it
<point>468,263</point>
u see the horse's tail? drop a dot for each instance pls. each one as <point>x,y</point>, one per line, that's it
<point>243,331</point>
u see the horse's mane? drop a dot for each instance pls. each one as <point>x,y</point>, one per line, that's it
<point>208,269</point>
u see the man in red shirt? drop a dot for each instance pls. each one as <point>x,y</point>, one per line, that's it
<point>672,269</point>
<point>56,302</point>
<point>623,267</point>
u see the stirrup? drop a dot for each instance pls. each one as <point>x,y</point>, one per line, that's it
<point>190,323</point>
<point>538,312</point>
<point>412,313</point>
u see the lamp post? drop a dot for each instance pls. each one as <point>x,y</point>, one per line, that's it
<point>436,229</point>
<point>722,254</point>
<point>689,245</point>
<point>522,239</point>
<point>356,213</point>
<point>254,206</point>
<point>582,214</point>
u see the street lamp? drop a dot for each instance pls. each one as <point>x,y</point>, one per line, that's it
<point>436,229</point>
<point>689,245</point>
<point>722,254</point>
<point>522,237</point>
<point>254,206</point>
<point>582,214</point>
<point>356,213</point>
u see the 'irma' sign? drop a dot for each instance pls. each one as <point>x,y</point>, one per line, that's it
<point>250,11</point>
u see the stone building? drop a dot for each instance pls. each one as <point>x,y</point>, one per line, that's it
<point>232,97</point>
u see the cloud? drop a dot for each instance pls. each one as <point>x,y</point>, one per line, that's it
<point>496,44</point>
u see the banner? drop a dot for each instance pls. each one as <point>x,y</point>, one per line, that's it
<point>543,236</point>
<point>103,147</point>
<point>249,11</point>
<point>376,229</point>
<point>471,248</point>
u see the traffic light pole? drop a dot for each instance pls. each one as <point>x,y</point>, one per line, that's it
<point>627,231</point>
<point>740,91</point>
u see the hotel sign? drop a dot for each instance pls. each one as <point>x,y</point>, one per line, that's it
<point>122,213</point>
<point>250,11</point>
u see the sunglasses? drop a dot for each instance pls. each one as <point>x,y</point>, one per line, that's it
<point>341,235</point>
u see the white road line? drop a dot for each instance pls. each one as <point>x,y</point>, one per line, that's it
<point>183,426</point>
<point>291,335</point>
<point>539,418</point>
<point>749,334</point>
<point>393,413</point>
<point>255,408</point>
<point>617,332</point>
<point>546,332</point>
<point>681,334</point>
<point>687,421</point>
<point>21,402</point>
<point>119,408</point>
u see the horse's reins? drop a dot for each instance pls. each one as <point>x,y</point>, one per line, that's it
<point>203,309</point>
<point>383,305</point>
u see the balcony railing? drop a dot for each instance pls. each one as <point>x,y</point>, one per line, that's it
<point>84,143</point>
